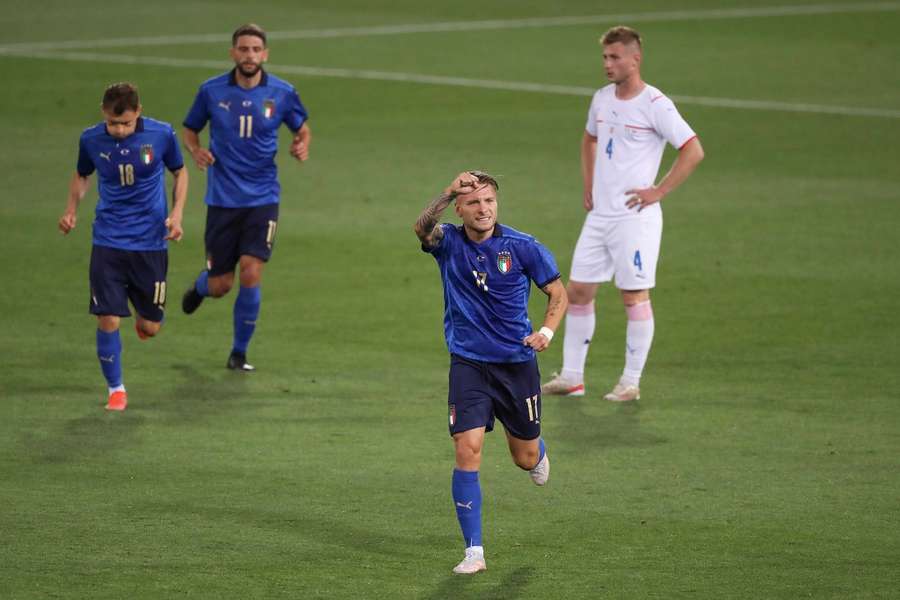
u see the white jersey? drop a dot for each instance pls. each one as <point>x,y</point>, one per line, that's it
<point>631,137</point>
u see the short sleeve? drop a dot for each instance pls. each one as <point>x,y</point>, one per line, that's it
<point>85,165</point>
<point>172,157</point>
<point>591,125</point>
<point>445,243</point>
<point>198,115</point>
<point>540,265</point>
<point>669,123</point>
<point>295,115</point>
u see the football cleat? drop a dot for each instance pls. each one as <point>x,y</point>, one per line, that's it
<point>541,472</point>
<point>472,563</point>
<point>238,362</point>
<point>117,401</point>
<point>560,386</point>
<point>191,300</point>
<point>623,393</point>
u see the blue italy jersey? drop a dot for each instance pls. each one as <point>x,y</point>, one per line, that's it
<point>486,290</point>
<point>131,213</point>
<point>243,137</point>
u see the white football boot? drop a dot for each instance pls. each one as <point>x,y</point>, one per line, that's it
<point>560,386</point>
<point>473,562</point>
<point>623,393</point>
<point>541,473</point>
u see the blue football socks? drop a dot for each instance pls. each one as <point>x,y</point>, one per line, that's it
<point>543,451</point>
<point>467,498</point>
<point>202,283</point>
<point>246,310</point>
<point>109,351</point>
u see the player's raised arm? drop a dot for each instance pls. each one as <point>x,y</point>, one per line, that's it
<point>426,226</point>
<point>300,145</point>
<point>557,304</point>
<point>202,157</point>
<point>78,187</point>
<point>179,198</point>
<point>588,157</point>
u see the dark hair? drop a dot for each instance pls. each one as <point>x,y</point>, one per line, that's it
<point>248,29</point>
<point>121,97</point>
<point>486,178</point>
<point>623,34</point>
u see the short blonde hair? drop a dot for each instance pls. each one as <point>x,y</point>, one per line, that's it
<point>621,33</point>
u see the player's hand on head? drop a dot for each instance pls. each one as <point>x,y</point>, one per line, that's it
<point>465,183</point>
<point>67,223</point>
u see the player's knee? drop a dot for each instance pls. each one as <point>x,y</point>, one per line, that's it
<point>221,285</point>
<point>107,323</point>
<point>467,457</point>
<point>526,459</point>
<point>580,293</point>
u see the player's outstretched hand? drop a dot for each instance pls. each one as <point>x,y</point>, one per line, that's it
<point>299,149</point>
<point>643,198</point>
<point>173,224</point>
<point>465,183</point>
<point>203,158</point>
<point>67,222</point>
<point>537,340</point>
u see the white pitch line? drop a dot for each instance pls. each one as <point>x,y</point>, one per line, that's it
<point>464,26</point>
<point>489,84</point>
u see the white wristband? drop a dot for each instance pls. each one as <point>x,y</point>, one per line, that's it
<point>546,332</point>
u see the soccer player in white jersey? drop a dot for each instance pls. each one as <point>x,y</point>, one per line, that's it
<point>629,122</point>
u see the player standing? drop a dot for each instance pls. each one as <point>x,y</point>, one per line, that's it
<point>129,258</point>
<point>487,270</point>
<point>244,107</point>
<point>630,121</point>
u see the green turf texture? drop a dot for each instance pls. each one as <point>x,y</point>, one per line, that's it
<point>762,462</point>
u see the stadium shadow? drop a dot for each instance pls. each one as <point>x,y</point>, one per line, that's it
<point>510,586</point>
<point>619,426</point>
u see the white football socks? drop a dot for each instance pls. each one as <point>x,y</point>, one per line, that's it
<point>580,323</point>
<point>638,338</point>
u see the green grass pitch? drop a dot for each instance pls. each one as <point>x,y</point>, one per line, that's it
<point>762,462</point>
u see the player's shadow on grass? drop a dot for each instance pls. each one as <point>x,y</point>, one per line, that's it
<point>483,586</point>
<point>198,395</point>
<point>600,423</point>
<point>98,433</point>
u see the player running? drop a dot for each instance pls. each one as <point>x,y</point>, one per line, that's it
<point>245,108</point>
<point>487,269</point>
<point>129,258</point>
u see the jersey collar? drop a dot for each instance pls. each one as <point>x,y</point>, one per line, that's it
<point>232,77</point>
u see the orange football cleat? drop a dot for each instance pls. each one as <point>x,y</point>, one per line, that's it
<point>117,401</point>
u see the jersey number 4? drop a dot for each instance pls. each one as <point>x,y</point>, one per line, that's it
<point>609,149</point>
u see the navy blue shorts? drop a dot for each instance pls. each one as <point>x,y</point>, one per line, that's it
<point>479,391</point>
<point>234,232</point>
<point>118,276</point>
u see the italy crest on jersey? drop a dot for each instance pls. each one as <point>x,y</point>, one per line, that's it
<point>269,109</point>
<point>504,262</point>
<point>147,154</point>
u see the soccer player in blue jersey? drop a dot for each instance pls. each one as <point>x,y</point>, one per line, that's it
<point>129,258</point>
<point>244,108</point>
<point>487,269</point>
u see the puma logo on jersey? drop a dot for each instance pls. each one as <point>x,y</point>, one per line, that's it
<point>225,105</point>
<point>467,505</point>
<point>105,155</point>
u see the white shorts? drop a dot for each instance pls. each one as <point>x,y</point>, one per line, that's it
<point>627,249</point>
